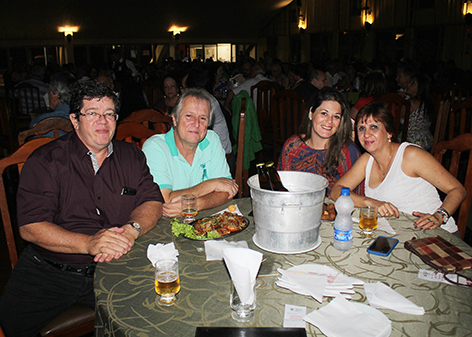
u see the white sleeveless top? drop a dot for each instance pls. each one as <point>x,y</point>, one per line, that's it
<point>407,193</point>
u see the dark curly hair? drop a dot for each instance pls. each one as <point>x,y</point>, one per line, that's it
<point>88,91</point>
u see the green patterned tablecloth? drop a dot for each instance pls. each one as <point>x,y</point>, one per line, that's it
<point>127,302</point>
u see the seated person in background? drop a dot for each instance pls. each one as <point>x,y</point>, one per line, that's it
<point>318,79</point>
<point>171,90</point>
<point>82,199</point>
<point>323,145</point>
<point>374,87</point>
<point>399,177</point>
<point>61,87</point>
<point>189,158</point>
<point>421,107</point>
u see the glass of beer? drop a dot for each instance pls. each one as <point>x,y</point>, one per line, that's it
<point>368,219</point>
<point>167,281</point>
<point>189,207</point>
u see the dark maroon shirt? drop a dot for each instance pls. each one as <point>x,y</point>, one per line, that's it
<point>58,184</point>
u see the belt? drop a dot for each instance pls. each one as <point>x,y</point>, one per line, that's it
<point>86,271</point>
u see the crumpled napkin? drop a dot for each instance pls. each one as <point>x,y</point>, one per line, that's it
<point>341,318</point>
<point>243,265</point>
<point>161,251</point>
<point>381,296</point>
<point>214,249</point>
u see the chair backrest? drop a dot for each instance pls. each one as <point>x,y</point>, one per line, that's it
<point>455,93</point>
<point>265,90</point>
<point>151,119</point>
<point>54,124</point>
<point>459,146</point>
<point>17,158</point>
<point>460,118</point>
<point>400,109</point>
<point>133,132</point>
<point>241,174</point>
<point>287,112</point>
<point>29,98</point>
<point>441,123</point>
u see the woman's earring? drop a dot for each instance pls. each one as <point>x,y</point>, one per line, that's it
<point>390,139</point>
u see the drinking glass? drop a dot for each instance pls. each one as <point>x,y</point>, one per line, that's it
<point>368,219</point>
<point>167,281</point>
<point>189,207</point>
<point>241,312</point>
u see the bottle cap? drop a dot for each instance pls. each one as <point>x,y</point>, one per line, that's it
<point>260,164</point>
<point>270,164</point>
<point>345,191</point>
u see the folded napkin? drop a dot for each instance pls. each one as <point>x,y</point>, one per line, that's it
<point>383,297</point>
<point>162,252</point>
<point>214,249</point>
<point>243,265</point>
<point>341,318</point>
<point>314,285</point>
<point>307,279</point>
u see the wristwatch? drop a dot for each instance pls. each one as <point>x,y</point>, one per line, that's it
<point>444,214</point>
<point>135,226</point>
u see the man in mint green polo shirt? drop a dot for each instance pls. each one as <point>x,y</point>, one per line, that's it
<point>189,158</point>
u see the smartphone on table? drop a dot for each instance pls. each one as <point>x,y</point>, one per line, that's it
<point>382,246</point>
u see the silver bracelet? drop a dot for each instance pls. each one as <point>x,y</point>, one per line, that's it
<point>444,213</point>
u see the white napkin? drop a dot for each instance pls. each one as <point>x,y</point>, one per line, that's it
<point>341,318</point>
<point>237,211</point>
<point>243,265</point>
<point>312,284</point>
<point>161,251</point>
<point>214,249</point>
<point>383,297</point>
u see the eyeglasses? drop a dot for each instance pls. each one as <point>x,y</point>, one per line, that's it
<point>93,116</point>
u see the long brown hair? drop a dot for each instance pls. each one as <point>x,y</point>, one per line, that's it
<point>342,136</point>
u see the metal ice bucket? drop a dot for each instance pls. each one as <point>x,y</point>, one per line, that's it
<point>288,222</point>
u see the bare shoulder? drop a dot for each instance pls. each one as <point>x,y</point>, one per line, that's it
<point>415,153</point>
<point>416,161</point>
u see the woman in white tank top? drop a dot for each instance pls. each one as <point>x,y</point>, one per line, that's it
<point>399,177</point>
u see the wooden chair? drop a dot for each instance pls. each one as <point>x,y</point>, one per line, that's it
<point>459,145</point>
<point>265,92</point>
<point>242,175</point>
<point>151,119</point>
<point>287,111</point>
<point>133,132</point>
<point>400,108</point>
<point>54,124</point>
<point>460,118</point>
<point>441,123</point>
<point>455,93</point>
<point>29,98</point>
<point>75,321</point>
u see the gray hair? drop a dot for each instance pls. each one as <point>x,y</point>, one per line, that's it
<point>316,73</point>
<point>64,84</point>
<point>197,93</point>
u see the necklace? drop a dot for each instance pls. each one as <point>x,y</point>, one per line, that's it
<point>383,173</point>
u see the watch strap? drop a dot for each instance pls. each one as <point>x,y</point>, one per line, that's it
<point>444,213</point>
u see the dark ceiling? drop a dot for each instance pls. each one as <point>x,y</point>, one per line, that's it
<point>108,20</point>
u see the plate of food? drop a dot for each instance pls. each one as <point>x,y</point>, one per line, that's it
<point>216,226</point>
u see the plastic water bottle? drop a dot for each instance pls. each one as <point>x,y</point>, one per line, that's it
<point>343,222</point>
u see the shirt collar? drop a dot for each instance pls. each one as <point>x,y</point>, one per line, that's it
<point>170,140</point>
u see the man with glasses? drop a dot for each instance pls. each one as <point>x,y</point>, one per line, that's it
<point>82,199</point>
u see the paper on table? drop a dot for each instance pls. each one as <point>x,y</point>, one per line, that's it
<point>214,249</point>
<point>161,251</point>
<point>243,265</point>
<point>383,297</point>
<point>342,318</point>
<point>293,316</point>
